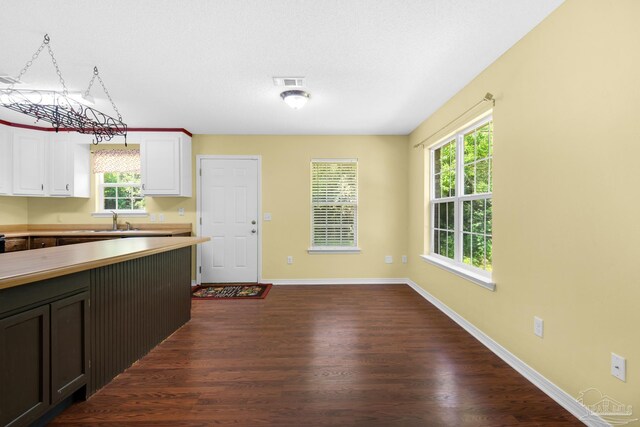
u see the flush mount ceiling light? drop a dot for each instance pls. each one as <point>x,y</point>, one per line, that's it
<point>63,109</point>
<point>295,99</point>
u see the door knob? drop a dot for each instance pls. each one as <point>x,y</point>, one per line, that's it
<point>254,231</point>
<point>253,222</point>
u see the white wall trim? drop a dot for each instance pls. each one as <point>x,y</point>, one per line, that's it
<point>564,399</point>
<point>367,281</point>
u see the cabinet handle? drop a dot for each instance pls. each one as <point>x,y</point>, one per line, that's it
<point>143,186</point>
<point>67,187</point>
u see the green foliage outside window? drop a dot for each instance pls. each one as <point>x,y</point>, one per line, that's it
<point>121,191</point>
<point>476,169</point>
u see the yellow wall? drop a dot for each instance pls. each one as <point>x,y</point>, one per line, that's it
<point>13,210</point>
<point>382,220</point>
<point>566,200</point>
<point>285,194</point>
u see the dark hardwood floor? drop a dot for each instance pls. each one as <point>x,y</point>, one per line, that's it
<point>358,355</point>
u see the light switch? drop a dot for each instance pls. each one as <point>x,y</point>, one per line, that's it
<point>267,216</point>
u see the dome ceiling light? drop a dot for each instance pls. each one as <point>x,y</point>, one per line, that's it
<point>295,99</point>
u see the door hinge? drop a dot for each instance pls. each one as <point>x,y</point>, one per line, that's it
<point>89,364</point>
<point>200,220</point>
<point>200,172</point>
<point>200,269</point>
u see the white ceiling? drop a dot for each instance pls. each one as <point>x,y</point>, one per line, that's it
<point>372,67</point>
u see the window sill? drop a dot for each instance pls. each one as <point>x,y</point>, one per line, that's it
<point>121,214</point>
<point>333,250</point>
<point>476,278</point>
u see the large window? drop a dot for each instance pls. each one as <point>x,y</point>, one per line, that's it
<point>461,206</point>
<point>334,205</point>
<point>118,181</point>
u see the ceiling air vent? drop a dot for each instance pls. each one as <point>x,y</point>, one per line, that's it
<point>8,80</point>
<point>288,81</point>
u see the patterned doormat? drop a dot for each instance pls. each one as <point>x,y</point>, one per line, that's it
<point>231,291</point>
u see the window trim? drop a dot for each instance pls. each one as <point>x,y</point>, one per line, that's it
<point>456,266</point>
<point>101,212</point>
<point>333,249</point>
<point>464,272</point>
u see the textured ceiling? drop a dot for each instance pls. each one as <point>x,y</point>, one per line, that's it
<point>372,67</point>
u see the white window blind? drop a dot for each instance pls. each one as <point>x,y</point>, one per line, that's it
<point>334,200</point>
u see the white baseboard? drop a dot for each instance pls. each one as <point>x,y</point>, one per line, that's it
<point>336,281</point>
<point>564,399</point>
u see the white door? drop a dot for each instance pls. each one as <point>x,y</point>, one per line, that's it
<point>229,212</point>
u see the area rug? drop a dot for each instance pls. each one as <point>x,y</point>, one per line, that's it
<point>231,291</point>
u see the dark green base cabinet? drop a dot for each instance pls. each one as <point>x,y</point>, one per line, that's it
<point>67,337</point>
<point>43,347</point>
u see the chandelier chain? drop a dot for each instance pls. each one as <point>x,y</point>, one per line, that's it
<point>113,104</point>
<point>29,63</point>
<point>106,91</point>
<point>55,64</point>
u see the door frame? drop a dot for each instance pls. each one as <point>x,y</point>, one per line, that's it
<point>199,159</point>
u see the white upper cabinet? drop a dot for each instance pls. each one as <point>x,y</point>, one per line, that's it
<point>6,162</point>
<point>44,163</point>
<point>166,164</point>
<point>69,162</point>
<point>29,166</point>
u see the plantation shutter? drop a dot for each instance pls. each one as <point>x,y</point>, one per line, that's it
<point>334,200</point>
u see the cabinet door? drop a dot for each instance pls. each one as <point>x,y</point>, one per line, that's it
<point>42,242</point>
<point>29,149</point>
<point>24,363</point>
<point>60,166</point>
<point>160,166</point>
<point>16,244</point>
<point>69,165</point>
<point>63,241</point>
<point>5,161</point>
<point>69,345</point>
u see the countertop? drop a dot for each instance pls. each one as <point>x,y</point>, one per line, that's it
<point>19,268</point>
<point>94,233</point>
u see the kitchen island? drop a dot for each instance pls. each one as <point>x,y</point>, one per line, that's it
<point>73,317</point>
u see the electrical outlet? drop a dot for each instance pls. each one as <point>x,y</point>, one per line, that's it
<point>289,259</point>
<point>152,217</point>
<point>161,217</point>
<point>404,259</point>
<point>538,326</point>
<point>618,367</point>
<point>181,211</point>
<point>388,259</point>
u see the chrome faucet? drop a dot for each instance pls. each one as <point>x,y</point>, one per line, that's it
<point>128,226</point>
<point>115,221</point>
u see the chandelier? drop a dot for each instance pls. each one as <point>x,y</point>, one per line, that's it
<point>60,108</point>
